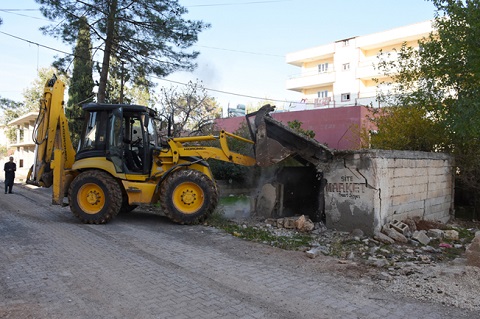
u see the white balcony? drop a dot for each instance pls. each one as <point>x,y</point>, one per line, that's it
<point>310,81</point>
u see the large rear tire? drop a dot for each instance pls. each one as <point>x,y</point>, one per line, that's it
<point>95,197</point>
<point>188,196</point>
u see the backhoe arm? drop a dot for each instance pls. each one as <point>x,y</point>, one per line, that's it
<point>51,136</point>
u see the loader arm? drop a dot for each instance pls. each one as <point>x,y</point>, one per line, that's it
<point>54,153</point>
<point>208,152</point>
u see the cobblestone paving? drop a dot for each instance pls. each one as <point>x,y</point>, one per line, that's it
<point>143,266</point>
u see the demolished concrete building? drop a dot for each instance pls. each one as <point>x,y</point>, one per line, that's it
<point>346,190</point>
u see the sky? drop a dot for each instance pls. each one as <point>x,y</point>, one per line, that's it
<point>242,55</point>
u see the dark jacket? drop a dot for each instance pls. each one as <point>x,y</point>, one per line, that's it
<point>10,169</point>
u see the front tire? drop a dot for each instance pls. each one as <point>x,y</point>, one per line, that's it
<point>188,196</point>
<point>95,197</point>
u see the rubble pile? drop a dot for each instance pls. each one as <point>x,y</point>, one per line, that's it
<point>421,259</point>
<point>416,258</point>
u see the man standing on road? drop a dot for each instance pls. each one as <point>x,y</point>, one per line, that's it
<point>9,168</point>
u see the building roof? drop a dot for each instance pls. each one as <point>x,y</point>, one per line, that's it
<point>26,118</point>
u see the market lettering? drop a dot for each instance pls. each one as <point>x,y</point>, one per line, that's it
<point>346,186</point>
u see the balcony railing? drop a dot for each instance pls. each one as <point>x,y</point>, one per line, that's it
<point>307,80</point>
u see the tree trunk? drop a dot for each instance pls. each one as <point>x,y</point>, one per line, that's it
<point>109,41</point>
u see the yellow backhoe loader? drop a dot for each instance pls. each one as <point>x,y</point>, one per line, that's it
<point>121,163</point>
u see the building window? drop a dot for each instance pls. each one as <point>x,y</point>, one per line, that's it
<point>323,67</point>
<point>345,97</point>
<point>322,94</point>
<point>346,66</point>
<point>21,163</point>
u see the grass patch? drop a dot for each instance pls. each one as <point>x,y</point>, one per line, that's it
<point>255,234</point>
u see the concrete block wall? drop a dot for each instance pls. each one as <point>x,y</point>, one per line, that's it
<point>367,189</point>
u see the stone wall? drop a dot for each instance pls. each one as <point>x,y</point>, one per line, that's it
<point>367,189</point>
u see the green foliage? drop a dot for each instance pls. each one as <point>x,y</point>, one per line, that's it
<point>81,84</point>
<point>149,33</point>
<point>405,128</point>
<point>11,110</point>
<point>297,126</point>
<point>3,151</point>
<point>34,93</point>
<point>443,80</point>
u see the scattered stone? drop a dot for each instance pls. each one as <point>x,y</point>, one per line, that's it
<point>280,222</point>
<point>421,237</point>
<point>357,233</point>
<point>395,235</point>
<point>451,234</point>
<point>377,262</point>
<point>435,233</point>
<point>409,251</point>
<point>413,242</point>
<point>320,227</point>
<point>430,249</point>
<point>383,276</point>
<point>383,238</point>
<point>424,259</point>
<point>271,222</point>
<point>304,224</point>
<point>473,252</point>
<point>289,222</point>
<point>385,251</point>
<point>315,251</point>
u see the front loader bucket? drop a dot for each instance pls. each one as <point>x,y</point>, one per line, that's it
<point>275,141</point>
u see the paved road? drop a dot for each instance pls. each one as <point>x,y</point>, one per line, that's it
<point>142,266</point>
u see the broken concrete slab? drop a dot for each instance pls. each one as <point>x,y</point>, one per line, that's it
<point>383,238</point>
<point>395,235</point>
<point>421,237</point>
<point>451,234</point>
<point>435,233</point>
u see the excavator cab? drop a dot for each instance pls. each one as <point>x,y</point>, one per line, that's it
<point>123,134</point>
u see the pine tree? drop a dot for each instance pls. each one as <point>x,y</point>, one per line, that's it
<point>146,35</point>
<point>81,83</point>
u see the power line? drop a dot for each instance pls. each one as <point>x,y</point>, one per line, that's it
<point>199,46</point>
<point>35,43</point>
<point>162,79</point>
<point>22,15</point>
<point>225,92</point>
<point>236,3</point>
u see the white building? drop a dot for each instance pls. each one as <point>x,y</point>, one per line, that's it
<point>342,73</point>
<point>24,147</point>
